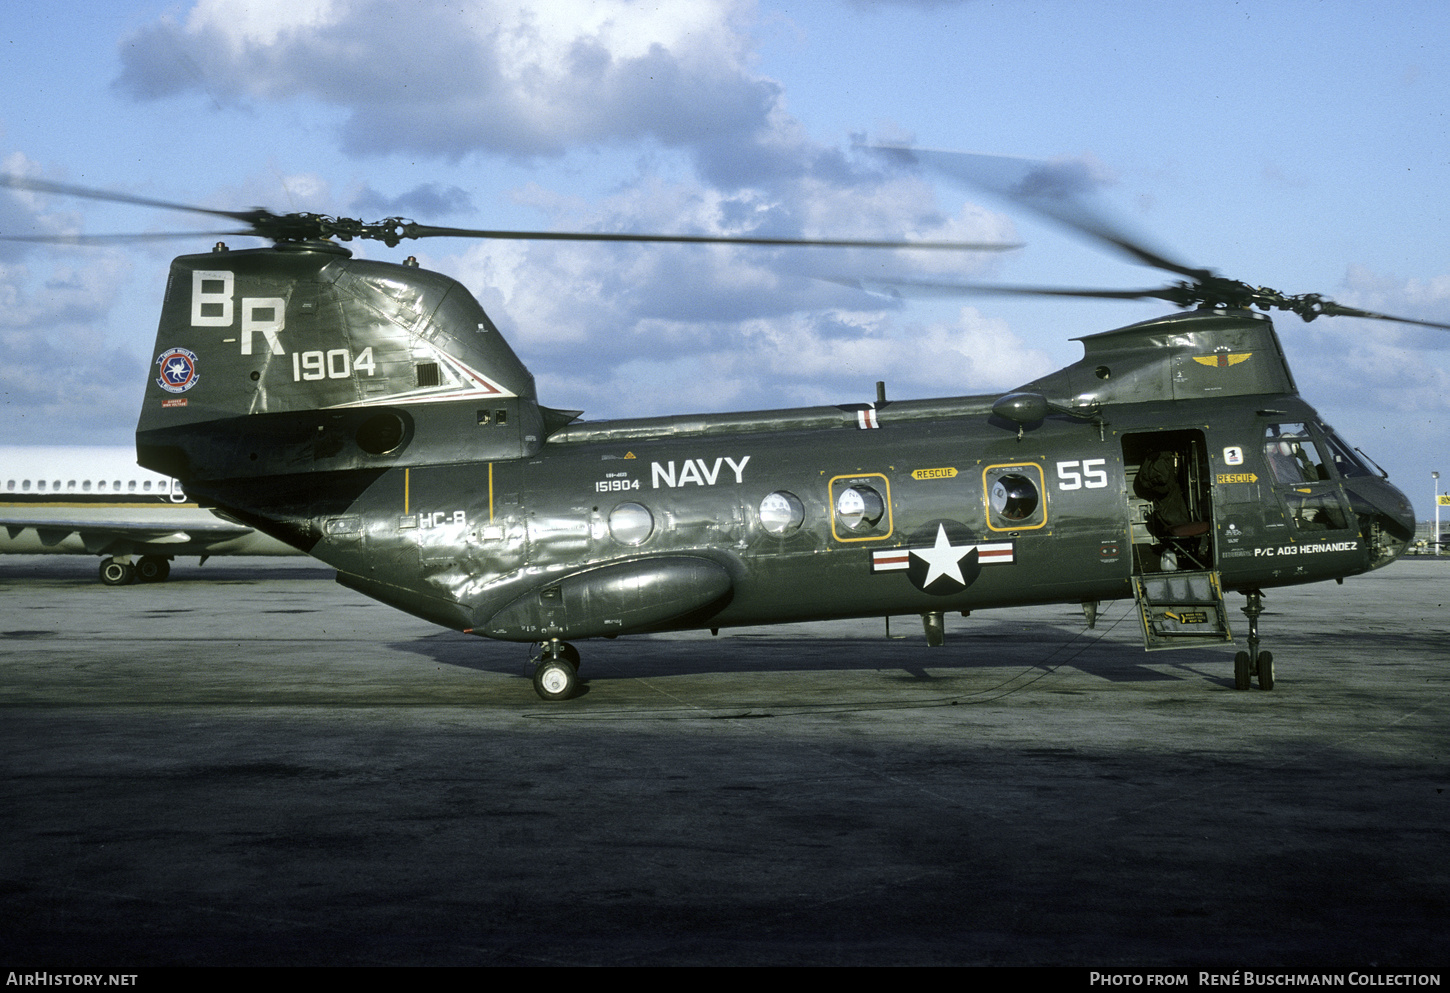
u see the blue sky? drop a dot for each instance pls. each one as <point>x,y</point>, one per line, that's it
<point>1300,145</point>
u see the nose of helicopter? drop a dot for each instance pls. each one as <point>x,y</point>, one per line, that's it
<point>1391,518</point>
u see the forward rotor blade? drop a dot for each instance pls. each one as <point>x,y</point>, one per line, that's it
<point>908,287</point>
<point>1328,308</point>
<point>1056,190</point>
<point>1308,306</point>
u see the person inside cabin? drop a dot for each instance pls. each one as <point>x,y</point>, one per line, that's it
<point>1171,520</point>
<point>1158,482</point>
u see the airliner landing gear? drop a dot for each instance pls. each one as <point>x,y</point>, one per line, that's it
<point>152,569</point>
<point>117,572</point>
<point>556,670</point>
<point>1253,663</point>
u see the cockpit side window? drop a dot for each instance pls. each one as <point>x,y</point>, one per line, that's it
<point>1345,461</point>
<point>1317,512</point>
<point>1293,455</point>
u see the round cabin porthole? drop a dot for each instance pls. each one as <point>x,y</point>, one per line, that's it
<point>860,508</point>
<point>1014,497</point>
<point>782,512</point>
<point>630,523</point>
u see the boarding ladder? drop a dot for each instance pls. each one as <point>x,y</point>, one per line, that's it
<point>1181,609</point>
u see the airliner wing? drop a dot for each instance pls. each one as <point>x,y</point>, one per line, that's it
<point>102,536</point>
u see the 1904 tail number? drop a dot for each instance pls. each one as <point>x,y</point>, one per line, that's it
<point>333,364</point>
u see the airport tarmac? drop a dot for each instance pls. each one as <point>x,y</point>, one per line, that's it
<point>252,765</point>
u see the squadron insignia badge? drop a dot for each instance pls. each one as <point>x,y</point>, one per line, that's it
<point>177,370</point>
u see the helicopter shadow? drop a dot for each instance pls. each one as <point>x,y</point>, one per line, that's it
<point>984,649</point>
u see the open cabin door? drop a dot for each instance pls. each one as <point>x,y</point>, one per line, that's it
<point>1170,512</point>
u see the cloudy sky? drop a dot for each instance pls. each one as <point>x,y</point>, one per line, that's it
<point>1294,144</point>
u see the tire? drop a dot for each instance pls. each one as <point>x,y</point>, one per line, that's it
<point>115,573</point>
<point>1266,670</point>
<point>1243,678</point>
<point>152,569</point>
<point>555,679</point>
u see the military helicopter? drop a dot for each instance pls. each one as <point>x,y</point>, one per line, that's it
<point>370,414</point>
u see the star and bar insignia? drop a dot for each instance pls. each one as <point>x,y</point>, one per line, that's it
<point>945,567</point>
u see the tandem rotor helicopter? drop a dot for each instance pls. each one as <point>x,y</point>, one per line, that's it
<point>370,414</point>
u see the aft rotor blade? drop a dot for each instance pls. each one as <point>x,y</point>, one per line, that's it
<point>411,230</point>
<point>304,226</point>
<point>1056,190</point>
<point>119,239</point>
<point>66,189</point>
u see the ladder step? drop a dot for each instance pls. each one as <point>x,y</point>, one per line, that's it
<point>1181,610</point>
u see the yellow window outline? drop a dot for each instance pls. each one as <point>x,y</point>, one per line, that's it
<point>1041,489</point>
<point>886,497</point>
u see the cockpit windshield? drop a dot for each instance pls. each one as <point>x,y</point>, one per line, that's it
<point>1297,454</point>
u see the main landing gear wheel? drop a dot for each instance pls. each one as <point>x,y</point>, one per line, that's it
<point>1243,671</point>
<point>1266,670</point>
<point>152,569</point>
<point>117,573</point>
<point>556,674</point>
<point>1253,663</point>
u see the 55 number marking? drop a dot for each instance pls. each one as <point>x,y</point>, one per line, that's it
<point>1087,474</point>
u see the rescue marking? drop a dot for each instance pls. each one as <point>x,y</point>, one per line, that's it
<point>947,473</point>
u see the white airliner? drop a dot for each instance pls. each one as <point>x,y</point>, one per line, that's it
<point>98,501</point>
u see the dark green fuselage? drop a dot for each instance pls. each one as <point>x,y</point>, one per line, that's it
<point>370,415</point>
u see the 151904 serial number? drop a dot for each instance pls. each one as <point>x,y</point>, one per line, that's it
<point>615,485</point>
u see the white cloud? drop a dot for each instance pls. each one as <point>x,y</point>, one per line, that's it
<point>57,366</point>
<point>1419,299</point>
<point>803,359</point>
<point>623,330</point>
<point>747,320</point>
<point>487,77</point>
